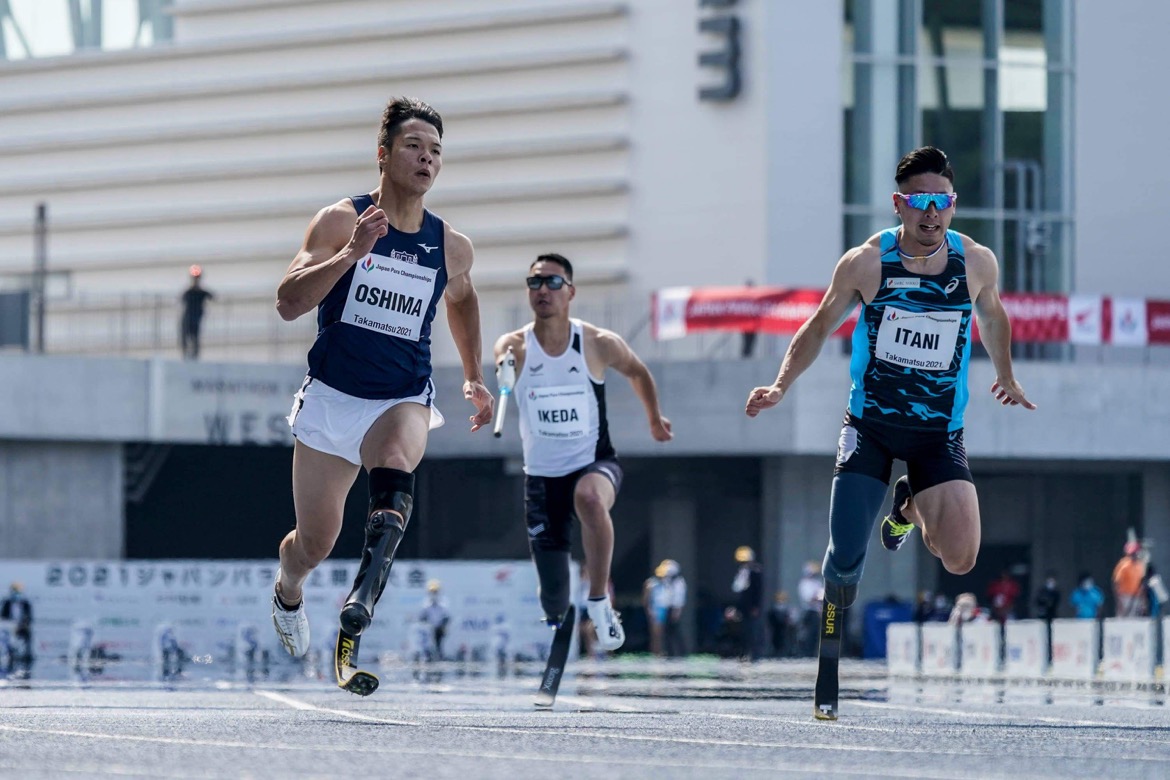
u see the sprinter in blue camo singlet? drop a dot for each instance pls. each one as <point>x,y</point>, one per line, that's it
<point>918,285</point>
<point>911,344</point>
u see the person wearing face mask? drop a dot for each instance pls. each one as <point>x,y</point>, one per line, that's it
<point>1087,600</point>
<point>1047,604</point>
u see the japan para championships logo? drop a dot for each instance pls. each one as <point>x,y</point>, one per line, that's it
<point>368,264</point>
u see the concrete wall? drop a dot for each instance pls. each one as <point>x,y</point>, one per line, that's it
<point>1120,60</point>
<point>61,500</point>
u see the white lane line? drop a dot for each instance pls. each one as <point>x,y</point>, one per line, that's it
<point>990,715</point>
<point>297,704</point>
<point>769,767</point>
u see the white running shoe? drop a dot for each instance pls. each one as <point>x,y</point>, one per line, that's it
<point>610,634</point>
<point>292,626</point>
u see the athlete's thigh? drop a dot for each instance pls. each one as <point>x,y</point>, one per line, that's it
<point>950,512</point>
<point>398,438</point>
<point>320,484</point>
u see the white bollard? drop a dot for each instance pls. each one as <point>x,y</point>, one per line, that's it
<point>1128,652</point>
<point>1025,648</point>
<point>940,649</point>
<point>980,656</point>
<point>1074,649</point>
<point>902,648</point>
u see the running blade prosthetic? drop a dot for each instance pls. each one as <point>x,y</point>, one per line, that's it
<point>557,656</point>
<point>350,677</point>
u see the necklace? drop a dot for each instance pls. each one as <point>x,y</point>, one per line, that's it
<point>918,257</point>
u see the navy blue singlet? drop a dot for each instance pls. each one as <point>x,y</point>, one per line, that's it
<point>374,326</point>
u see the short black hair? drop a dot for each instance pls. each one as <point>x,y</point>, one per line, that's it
<point>924,159</point>
<point>402,109</point>
<point>553,257</point>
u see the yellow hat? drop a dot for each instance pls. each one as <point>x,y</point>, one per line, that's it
<point>433,586</point>
<point>667,568</point>
<point>744,554</point>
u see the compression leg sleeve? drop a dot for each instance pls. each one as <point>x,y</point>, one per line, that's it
<point>853,508</point>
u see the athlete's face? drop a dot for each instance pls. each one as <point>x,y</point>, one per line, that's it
<point>924,228</point>
<point>414,158</point>
<point>548,303</point>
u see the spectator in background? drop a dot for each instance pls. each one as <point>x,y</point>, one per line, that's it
<point>17,609</point>
<point>435,617</point>
<point>967,610</point>
<point>1047,604</point>
<point>749,587</point>
<point>811,591</point>
<point>1003,594</point>
<point>1048,599</point>
<point>1156,593</point>
<point>941,611</point>
<point>193,299</point>
<point>1087,600</point>
<point>664,595</point>
<point>1128,577</point>
<point>924,607</point>
<point>780,624</point>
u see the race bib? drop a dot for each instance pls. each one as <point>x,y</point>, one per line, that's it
<point>918,339</point>
<point>559,412</point>
<point>389,296</point>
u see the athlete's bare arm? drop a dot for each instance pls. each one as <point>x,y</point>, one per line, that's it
<point>336,239</point>
<point>853,281</point>
<point>515,340</point>
<point>463,319</point>
<point>609,350</point>
<point>995,330</point>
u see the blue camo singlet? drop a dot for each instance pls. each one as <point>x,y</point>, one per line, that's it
<point>911,344</point>
<point>374,325</point>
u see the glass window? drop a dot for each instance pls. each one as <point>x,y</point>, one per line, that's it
<point>989,83</point>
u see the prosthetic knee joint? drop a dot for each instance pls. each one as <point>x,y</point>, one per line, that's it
<point>391,501</point>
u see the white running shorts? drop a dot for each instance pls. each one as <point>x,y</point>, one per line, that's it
<point>332,422</point>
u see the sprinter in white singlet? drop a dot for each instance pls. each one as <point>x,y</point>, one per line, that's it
<point>570,466</point>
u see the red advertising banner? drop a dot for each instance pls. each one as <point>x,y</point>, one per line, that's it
<point>1158,322</point>
<point>1035,317</point>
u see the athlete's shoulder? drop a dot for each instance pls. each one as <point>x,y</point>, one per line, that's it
<point>457,244</point>
<point>980,260</point>
<point>513,339</point>
<point>332,225</point>
<point>867,253</point>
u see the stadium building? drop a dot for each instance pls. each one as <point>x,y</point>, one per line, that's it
<point>657,143</point>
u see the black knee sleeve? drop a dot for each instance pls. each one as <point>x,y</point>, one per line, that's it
<point>552,567</point>
<point>392,489</point>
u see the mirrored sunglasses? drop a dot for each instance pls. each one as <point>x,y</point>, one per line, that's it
<point>554,282</point>
<point>924,200</point>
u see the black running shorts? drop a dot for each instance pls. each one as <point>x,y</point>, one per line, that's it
<point>932,457</point>
<point>548,504</point>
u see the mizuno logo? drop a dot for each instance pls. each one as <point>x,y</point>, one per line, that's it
<point>536,530</point>
<point>574,370</point>
<point>426,248</point>
<point>536,368</point>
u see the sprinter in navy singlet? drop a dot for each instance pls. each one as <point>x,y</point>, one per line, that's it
<point>556,371</point>
<point>917,285</point>
<point>374,266</point>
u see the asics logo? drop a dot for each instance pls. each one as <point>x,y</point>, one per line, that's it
<point>951,287</point>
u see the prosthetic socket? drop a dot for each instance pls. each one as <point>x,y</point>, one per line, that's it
<point>391,501</point>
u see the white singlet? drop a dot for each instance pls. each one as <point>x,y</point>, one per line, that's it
<point>562,409</point>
